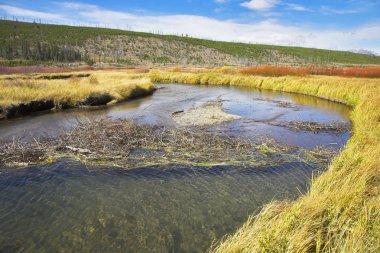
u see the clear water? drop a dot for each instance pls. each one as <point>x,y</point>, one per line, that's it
<point>258,108</point>
<point>68,207</point>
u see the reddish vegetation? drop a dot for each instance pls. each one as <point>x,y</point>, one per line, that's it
<point>273,71</point>
<point>40,69</point>
<point>142,71</point>
<point>369,72</point>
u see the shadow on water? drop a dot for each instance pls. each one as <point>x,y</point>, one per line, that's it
<point>66,206</point>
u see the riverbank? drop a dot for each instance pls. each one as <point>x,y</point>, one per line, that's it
<point>341,211</point>
<point>21,95</point>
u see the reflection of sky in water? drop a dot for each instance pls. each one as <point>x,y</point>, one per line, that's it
<point>257,107</point>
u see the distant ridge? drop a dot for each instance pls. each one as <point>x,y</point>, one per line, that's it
<point>23,43</point>
<point>364,51</point>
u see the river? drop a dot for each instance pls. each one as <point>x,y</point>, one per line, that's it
<point>70,207</point>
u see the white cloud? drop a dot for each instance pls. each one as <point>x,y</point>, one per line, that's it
<point>328,10</point>
<point>29,13</point>
<point>260,5</point>
<point>296,7</point>
<point>264,32</point>
<point>76,6</point>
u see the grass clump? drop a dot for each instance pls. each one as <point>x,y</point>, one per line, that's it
<point>125,144</point>
<point>341,211</point>
<point>71,90</point>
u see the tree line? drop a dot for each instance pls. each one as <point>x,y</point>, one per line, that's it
<point>39,51</point>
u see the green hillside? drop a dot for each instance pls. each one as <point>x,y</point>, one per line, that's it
<point>23,43</point>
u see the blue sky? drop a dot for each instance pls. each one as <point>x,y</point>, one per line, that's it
<point>339,24</point>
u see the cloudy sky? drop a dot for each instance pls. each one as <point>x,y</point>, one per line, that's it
<point>338,24</point>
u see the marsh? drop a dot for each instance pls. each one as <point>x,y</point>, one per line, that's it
<point>149,182</point>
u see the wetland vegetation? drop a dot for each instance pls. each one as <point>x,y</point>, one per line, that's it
<point>126,144</point>
<point>22,95</point>
<point>340,211</point>
<point>118,140</point>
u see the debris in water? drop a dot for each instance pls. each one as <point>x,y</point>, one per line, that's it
<point>331,127</point>
<point>124,143</point>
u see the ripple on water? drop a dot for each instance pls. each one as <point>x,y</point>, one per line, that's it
<point>67,206</point>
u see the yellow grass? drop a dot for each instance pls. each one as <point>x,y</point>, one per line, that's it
<point>22,89</point>
<point>341,211</point>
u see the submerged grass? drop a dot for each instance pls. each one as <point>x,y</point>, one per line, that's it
<point>125,144</point>
<point>331,127</point>
<point>341,211</point>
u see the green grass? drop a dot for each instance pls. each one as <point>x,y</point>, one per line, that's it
<point>15,34</point>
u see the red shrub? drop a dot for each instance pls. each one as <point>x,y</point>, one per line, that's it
<point>141,71</point>
<point>273,71</point>
<point>368,72</point>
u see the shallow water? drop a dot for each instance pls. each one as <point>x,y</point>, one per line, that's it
<point>68,207</point>
<point>258,108</point>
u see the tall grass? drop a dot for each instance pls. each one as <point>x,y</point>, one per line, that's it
<point>366,72</point>
<point>341,211</point>
<point>73,90</point>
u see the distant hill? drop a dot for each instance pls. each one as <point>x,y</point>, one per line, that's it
<point>363,51</point>
<point>23,43</point>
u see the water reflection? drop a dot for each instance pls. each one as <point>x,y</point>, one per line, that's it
<point>259,108</point>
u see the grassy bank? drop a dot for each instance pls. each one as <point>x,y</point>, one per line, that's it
<point>341,211</point>
<point>21,95</point>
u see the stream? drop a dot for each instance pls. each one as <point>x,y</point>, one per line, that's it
<point>67,206</point>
